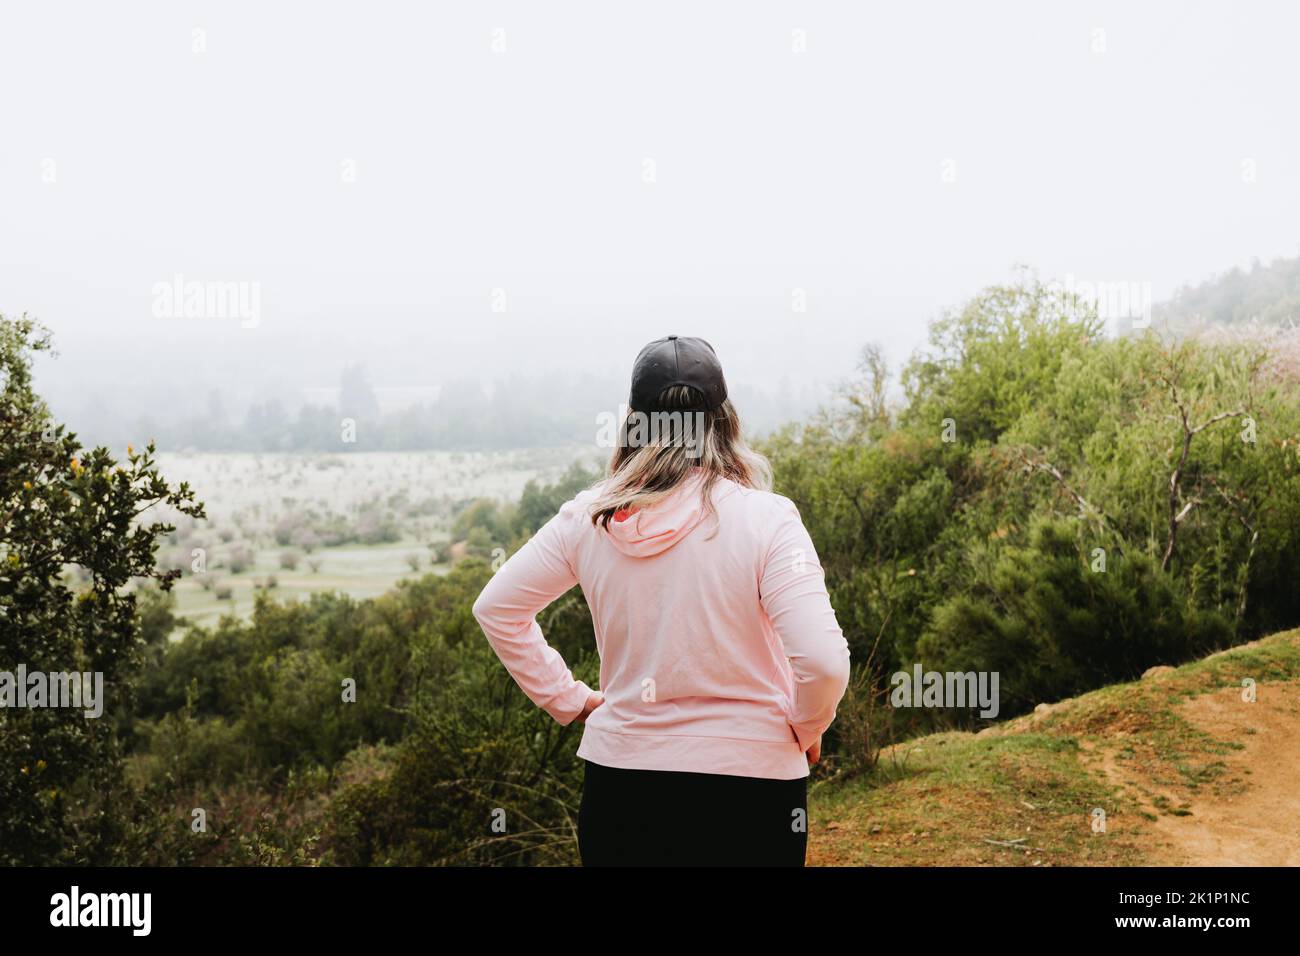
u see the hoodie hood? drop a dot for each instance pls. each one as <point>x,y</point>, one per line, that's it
<point>643,534</point>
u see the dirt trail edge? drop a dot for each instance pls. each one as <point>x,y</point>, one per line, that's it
<point>1179,768</point>
<point>1253,818</point>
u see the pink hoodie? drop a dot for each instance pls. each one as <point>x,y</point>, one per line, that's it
<point>719,649</point>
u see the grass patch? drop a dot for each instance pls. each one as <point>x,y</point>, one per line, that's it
<point>961,799</point>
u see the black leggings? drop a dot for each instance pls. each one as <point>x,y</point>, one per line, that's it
<point>675,818</point>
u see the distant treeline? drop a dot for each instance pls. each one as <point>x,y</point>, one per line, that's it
<point>515,413</point>
<point>1267,294</point>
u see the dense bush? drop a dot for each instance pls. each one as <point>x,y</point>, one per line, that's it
<point>482,778</point>
<point>1061,507</point>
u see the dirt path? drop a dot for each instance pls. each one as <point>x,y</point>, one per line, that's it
<point>1253,817</point>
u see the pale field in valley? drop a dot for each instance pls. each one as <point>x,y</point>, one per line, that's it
<point>248,495</point>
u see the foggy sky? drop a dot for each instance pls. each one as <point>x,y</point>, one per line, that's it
<point>1107,141</point>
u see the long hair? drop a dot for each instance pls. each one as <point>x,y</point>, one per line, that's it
<point>645,468</point>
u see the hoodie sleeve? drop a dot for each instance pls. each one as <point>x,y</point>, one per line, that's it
<point>793,592</point>
<point>507,610</point>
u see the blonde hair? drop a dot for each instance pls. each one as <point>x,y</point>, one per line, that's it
<point>646,472</point>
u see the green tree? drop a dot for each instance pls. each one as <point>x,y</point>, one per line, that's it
<point>63,507</point>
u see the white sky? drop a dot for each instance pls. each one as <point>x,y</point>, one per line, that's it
<point>523,170</point>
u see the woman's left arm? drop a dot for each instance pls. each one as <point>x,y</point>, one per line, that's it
<point>507,610</point>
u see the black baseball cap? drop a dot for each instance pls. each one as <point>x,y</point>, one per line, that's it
<point>676,360</point>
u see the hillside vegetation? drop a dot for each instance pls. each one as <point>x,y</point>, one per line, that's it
<point>1060,507</point>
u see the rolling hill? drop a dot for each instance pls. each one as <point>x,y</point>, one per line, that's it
<point>1186,770</point>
